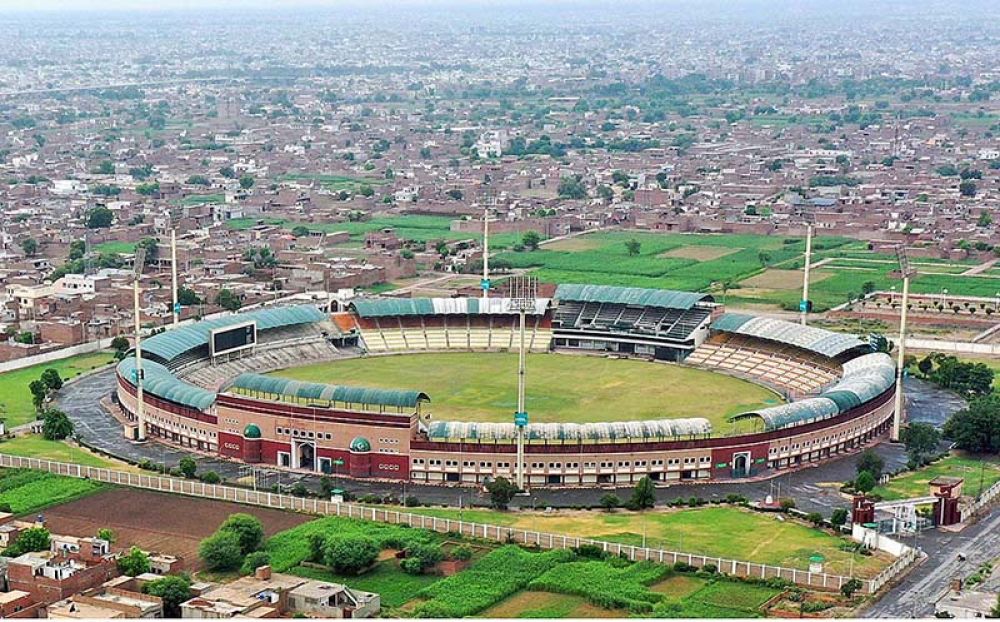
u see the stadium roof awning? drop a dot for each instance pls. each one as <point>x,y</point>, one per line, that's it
<point>276,385</point>
<point>611,431</point>
<point>662,298</point>
<point>159,381</point>
<point>172,343</point>
<point>818,340</point>
<point>864,379</point>
<point>396,307</point>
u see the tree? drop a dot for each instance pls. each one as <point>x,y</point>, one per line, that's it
<point>976,428</point>
<point>501,491</point>
<point>455,194</point>
<point>850,587</point>
<point>210,477</point>
<point>29,246</point>
<point>227,172</point>
<point>764,258</point>
<point>864,482</point>
<point>188,467</point>
<point>56,425</point>
<point>121,344</point>
<point>198,180</point>
<point>926,365</point>
<point>152,250</point>
<point>246,181</point>
<point>247,528</point>
<point>349,554</point>
<point>51,379</point>
<point>871,462</point>
<point>187,297</point>
<point>643,495</point>
<point>30,540</point>
<point>300,231</point>
<point>633,246</point>
<point>605,192</point>
<point>867,287</point>
<point>530,240</point>
<point>839,517</point>
<point>255,560</point>
<point>221,551</point>
<point>228,300</point>
<point>77,249</point>
<point>107,535</point>
<point>99,218</point>
<point>572,187</point>
<point>173,590</point>
<point>921,441</point>
<point>39,391</point>
<point>967,188</point>
<point>610,501</point>
<point>134,563</point>
<point>985,219</point>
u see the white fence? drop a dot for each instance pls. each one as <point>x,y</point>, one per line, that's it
<point>987,498</point>
<point>497,533</point>
<point>55,355</point>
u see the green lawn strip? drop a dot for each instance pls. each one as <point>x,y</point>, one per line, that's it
<point>15,398</point>
<point>491,579</point>
<point>482,387</point>
<point>31,491</point>
<point>38,447</point>
<point>718,598</point>
<point>115,247</point>
<point>975,469</point>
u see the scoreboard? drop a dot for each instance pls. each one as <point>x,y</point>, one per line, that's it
<point>233,338</point>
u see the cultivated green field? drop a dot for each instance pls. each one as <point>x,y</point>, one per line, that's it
<point>980,472</point>
<point>38,447</point>
<point>29,491</point>
<point>758,269</point>
<point>15,399</point>
<point>416,228</point>
<point>483,387</point>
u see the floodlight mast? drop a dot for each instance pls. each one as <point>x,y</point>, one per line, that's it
<point>905,271</point>
<point>804,303</point>
<point>140,414</point>
<point>176,309</point>
<point>488,203</point>
<point>523,293</point>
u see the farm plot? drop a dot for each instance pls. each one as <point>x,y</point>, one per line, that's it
<point>28,491</point>
<point>158,522</point>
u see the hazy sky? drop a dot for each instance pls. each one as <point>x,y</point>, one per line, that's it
<point>158,5</point>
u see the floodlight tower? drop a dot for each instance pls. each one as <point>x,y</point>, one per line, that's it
<point>804,303</point>
<point>173,273</point>
<point>488,203</point>
<point>905,272</point>
<point>140,414</point>
<point>523,292</point>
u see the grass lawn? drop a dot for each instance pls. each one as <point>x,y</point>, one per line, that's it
<point>29,491</point>
<point>726,532</point>
<point>483,387</point>
<point>15,399</point>
<point>38,447</point>
<point>198,199</point>
<point>914,483</point>
<point>115,247</point>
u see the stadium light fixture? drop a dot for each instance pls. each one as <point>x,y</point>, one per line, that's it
<point>138,262</point>
<point>489,201</point>
<point>523,292</point>
<point>805,306</point>
<point>905,272</point>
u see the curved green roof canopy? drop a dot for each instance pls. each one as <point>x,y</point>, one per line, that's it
<point>604,431</point>
<point>161,382</point>
<point>170,344</point>
<point>662,298</point>
<point>276,385</point>
<point>818,340</point>
<point>864,379</point>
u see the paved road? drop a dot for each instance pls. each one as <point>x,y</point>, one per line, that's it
<point>915,596</point>
<point>813,488</point>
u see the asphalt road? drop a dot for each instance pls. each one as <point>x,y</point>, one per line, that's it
<point>915,595</point>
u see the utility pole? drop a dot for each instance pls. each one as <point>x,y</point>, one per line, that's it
<point>523,291</point>
<point>140,415</point>
<point>905,271</point>
<point>804,303</point>
<point>173,273</point>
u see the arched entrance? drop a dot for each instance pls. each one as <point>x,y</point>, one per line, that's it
<point>304,455</point>
<point>741,464</point>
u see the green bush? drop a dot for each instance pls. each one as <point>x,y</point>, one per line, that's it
<point>601,583</point>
